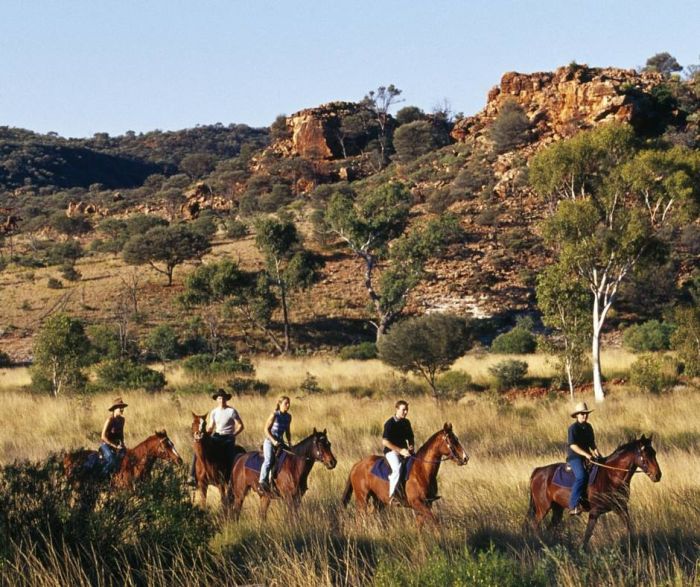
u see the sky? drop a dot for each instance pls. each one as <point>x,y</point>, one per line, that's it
<point>78,67</point>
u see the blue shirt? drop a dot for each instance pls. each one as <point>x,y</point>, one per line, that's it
<point>280,425</point>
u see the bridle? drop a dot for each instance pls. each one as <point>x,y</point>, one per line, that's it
<point>451,457</point>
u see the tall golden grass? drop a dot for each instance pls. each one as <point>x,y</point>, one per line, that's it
<point>484,502</point>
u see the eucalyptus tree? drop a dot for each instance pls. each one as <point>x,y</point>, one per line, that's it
<point>610,202</point>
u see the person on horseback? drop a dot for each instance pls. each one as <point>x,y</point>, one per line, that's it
<point>397,440</point>
<point>112,447</point>
<point>581,447</point>
<point>277,427</point>
<point>226,424</point>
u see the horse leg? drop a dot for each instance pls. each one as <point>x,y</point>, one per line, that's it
<point>264,505</point>
<point>592,519</point>
<point>238,499</point>
<point>557,513</point>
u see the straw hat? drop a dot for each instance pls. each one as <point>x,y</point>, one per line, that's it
<point>117,403</point>
<point>580,408</point>
<point>221,393</point>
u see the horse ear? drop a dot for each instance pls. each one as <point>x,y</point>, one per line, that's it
<point>447,426</point>
<point>314,429</point>
<point>324,432</point>
<point>643,438</point>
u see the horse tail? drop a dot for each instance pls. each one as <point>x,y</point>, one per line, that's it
<point>532,508</point>
<point>347,494</point>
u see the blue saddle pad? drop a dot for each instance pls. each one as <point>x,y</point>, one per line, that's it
<point>382,469</point>
<point>92,463</point>
<point>255,461</point>
<point>565,478</point>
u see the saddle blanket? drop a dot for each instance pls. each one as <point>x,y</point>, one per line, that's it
<point>255,461</point>
<point>93,463</point>
<point>382,469</point>
<point>564,476</point>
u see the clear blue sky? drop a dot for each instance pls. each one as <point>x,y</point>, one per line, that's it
<point>78,67</point>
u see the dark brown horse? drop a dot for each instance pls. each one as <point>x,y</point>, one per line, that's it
<point>609,492</point>
<point>292,476</point>
<point>421,486</point>
<point>135,465</point>
<point>213,465</point>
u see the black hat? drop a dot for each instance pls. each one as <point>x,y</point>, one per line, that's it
<point>221,393</point>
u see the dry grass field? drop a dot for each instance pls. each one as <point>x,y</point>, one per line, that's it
<point>480,541</point>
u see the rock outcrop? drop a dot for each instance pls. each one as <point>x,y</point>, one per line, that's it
<point>562,102</point>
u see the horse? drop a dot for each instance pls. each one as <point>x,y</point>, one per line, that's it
<point>608,492</point>
<point>212,464</point>
<point>135,465</point>
<point>292,472</point>
<point>421,485</point>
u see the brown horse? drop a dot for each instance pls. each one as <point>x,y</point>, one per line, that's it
<point>421,486</point>
<point>609,492</point>
<point>213,465</point>
<point>291,478</point>
<point>135,465</point>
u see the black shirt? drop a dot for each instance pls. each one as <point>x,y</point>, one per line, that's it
<point>398,432</point>
<point>580,434</point>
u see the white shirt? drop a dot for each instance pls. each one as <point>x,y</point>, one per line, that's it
<point>224,420</point>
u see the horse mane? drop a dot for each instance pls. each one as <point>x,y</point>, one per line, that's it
<point>309,437</point>
<point>624,447</point>
<point>427,443</point>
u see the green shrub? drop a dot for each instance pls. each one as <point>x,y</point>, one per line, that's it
<point>44,515</point>
<point>509,373</point>
<point>70,273</point>
<point>650,336</point>
<point>124,374</point>
<point>454,384</point>
<point>236,229</point>
<point>54,283</point>
<point>204,364</point>
<point>686,339</point>
<point>359,352</point>
<point>518,341</point>
<point>310,384</point>
<point>654,374</point>
<point>5,359</point>
<point>241,386</point>
<point>511,127</point>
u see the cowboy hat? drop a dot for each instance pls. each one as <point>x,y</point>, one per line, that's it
<point>117,403</point>
<point>580,408</point>
<point>222,393</point>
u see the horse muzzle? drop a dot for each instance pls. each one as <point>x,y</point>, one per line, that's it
<point>331,464</point>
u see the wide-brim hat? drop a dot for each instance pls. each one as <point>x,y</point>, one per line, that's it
<point>580,408</point>
<point>117,403</point>
<point>221,393</point>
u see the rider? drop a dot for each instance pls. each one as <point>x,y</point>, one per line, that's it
<point>581,445</point>
<point>397,440</point>
<point>225,422</point>
<point>278,426</point>
<point>112,447</point>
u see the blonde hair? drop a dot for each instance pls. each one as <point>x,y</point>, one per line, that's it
<point>280,399</point>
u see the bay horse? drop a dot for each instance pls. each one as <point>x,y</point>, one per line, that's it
<point>291,479</point>
<point>213,466</point>
<point>609,492</point>
<point>135,465</point>
<point>421,485</point>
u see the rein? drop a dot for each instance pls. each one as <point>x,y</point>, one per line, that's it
<point>441,460</point>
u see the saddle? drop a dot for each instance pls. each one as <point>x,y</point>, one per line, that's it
<point>564,475</point>
<point>255,461</point>
<point>382,469</point>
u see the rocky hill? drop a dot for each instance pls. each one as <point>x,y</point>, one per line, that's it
<point>293,167</point>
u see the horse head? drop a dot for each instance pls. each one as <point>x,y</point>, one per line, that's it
<point>199,426</point>
<point>645,458</point>
<point>452,447</point>
<point>166,449</point>
<point>321,449</point>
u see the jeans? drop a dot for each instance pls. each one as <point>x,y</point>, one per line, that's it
<point>110,457</point>
<point>225,443</point>
<point>268,455</point>
<point>394,461</point>
<point>580,484</point>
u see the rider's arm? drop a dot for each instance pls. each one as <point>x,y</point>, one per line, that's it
<point>288,432</point>
<point>579,451</point>
<point>239,426</point>
<point>397,449</point>
<point>268,427</point>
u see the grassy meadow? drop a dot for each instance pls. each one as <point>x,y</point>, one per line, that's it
<point>480,540</point>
